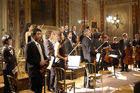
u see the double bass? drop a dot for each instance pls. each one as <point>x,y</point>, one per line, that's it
<point>128,59</point>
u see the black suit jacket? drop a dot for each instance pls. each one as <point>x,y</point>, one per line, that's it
<point>33,58</point>
<point>65,33</point>
<point>122,45</point>
<point>87,48</point>
<point>74,37</point>
<point>68,47</point>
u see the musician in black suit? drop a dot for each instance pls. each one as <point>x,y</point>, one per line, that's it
<point>35,58</point>
<point>124,43</point>
<point>88,51</point>
<point>68,44</point>
<point>49,51</point>
<point>74,34</point>
<point>66,28</point>
<point>10,61</point>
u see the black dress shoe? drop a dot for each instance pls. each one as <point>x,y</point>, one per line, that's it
<point>127,70</point>
<point>121,70</point>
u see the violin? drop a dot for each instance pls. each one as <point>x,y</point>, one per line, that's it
<point>107,58</point>
<point>43,68</point>
<point>128,59</point>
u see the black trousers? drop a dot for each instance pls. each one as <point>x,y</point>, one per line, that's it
<point>6,83</point>
<point>138,63</point>
<point>36,83</point>
<point>123,66</point>
<point>50,78</point>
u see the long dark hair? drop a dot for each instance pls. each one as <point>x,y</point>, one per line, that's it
<point>27,27</point>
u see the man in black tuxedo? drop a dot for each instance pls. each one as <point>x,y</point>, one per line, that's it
<point>35,58</point>
<point>68,44</point>
<point>124,43</point>
<point>49,51</point>
<point>88,51</point>
<point>74,34</point>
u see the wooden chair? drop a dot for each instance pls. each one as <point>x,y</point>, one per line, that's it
<point>61,81</point>
<point>13,85</point>
<point>92,75</point>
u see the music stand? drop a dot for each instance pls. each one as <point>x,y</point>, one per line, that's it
<point>114,56</point>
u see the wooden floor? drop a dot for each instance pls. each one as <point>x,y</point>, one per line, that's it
<point>122,83</point>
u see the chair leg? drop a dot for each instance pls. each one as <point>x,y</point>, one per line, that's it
<point>102,82</point>
<point>65,88</point>
<point>87,82</point>
<point>74,87</point>
<point>94,80</point>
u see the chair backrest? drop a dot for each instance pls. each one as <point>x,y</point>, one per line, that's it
<point>90,68</point>
<point>12,83</point>
<point>60,74</point>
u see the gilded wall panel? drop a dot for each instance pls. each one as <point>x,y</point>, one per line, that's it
<point>124,13</point>
<point>75,14</point>
<point>94,11</point>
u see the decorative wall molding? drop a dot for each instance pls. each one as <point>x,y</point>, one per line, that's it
<point>22,22</point>
<point>11,19</point>
<point>84,13</point>
<point>102,15</point>
<point>125,13</point>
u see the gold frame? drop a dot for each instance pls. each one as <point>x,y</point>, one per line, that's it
<point>93,20</point>
<point>28,15</point>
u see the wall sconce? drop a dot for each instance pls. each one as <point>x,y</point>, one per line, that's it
<point>80,21</point>
<point>114,20</point>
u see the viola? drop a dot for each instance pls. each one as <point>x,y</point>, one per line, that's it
<point>107,58</point>
<point>128,59</point>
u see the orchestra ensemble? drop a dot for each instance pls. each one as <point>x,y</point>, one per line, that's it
<point>60,46</point>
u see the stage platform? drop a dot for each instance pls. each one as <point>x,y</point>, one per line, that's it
<point>23,80</point>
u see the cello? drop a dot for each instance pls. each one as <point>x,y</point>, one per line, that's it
<point>128,59</point>
<point>137,57</point>
<point>107,58</point>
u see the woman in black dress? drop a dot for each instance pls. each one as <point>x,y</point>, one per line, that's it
<point>28,30</point>
<point>61,54</point>
<point>10,62</point>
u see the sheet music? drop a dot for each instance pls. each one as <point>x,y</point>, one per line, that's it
<point>73,61</point>
<point>113,55</point>
<point>98,57</point>
<point>50,63</point>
